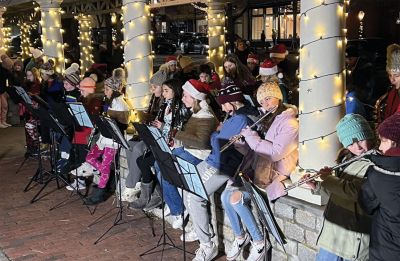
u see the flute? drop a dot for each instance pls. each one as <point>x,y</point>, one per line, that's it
<point>304,181</point>
<point>239,136</point>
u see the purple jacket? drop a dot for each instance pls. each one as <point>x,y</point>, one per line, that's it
<point>275,157</point>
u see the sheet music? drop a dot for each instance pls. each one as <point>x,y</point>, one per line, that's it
<point>117,131</point>
<point>80,114</point>
<point>160,139</point>
<point>21,92</point>
<point>190,173</point>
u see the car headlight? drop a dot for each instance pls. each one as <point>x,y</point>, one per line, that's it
<point>206,46</point>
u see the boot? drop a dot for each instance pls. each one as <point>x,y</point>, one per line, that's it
<point>155,200</point>
<point>97,196</point>
<point>144,198</point>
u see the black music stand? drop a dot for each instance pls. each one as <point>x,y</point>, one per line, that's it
<point>109,129</point>
<point>177,172</point>
<point>48,117</point>
<point>260,201</point>
<point>80,119</point>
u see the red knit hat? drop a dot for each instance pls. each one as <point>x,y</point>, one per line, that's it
<point>279,51</point>
<point>197,89</point>
<point>390,128</point>
<point>170,60</point>
<point>268,67</point>
<point>230,93</point>
<point>253,58</point>
<point>87,82</point>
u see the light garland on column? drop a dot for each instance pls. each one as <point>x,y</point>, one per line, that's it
<point>25,29</point>
<point>319,78</point>
<point>52,40</point>
<point>138,56</point>
<point>6,32</point>
<point>216,34</point>
<point>85,41</point>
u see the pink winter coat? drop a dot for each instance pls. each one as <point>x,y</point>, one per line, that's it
<point>275,157</point>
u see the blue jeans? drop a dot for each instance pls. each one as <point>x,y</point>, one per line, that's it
<point>325,255</point>
<point>239,213</point>
<point>170,192</point>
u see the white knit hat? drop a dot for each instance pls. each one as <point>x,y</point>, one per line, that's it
<point>393,58</point>
<point>36,53</point>
<point>197,89</point>
<point>269,89</point>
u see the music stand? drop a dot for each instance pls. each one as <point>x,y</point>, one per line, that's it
<point>177,172</point>
<point>260,201</point>
<point>109,129</point>
<point>80,119</point>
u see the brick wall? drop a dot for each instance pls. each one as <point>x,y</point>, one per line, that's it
<point>300,222</point>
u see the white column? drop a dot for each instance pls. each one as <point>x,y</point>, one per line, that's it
<point>85,42</point>
<point>216,34</point>
<point>25,43</point>
<point>4,33</point>
<point>138,57</point>
<point>53,47</point>
<point>322,82</point>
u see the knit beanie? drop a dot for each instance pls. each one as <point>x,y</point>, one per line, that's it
<point>119,75</point>
<point>268,67</point>
<point>73,78</point>
<point>390,128</point>
<point>87,82</point>
<point>269,89</point>
<point>197,89</point>
<point>352,128</point>
<point>230,93</point>
<point>36,53</point>
<point>158,78</point>
<point>72,69</point>
<point>185,61</point>
<point>393,58</point>
<point>279,51</point>
<point>47,68</point>
<point>112,83</point>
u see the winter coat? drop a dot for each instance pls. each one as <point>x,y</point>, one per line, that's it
<point>195,136</point>
<point>228,161</point>
<point>345,230</point>
<point>119,111</point>
<point>380,197</point>
<point>275,156</point>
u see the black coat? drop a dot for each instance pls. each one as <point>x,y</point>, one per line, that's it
<point>380,197</point>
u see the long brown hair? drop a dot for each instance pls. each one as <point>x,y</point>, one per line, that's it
<point>242,72</point>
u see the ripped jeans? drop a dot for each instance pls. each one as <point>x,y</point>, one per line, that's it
<point>239,213</point>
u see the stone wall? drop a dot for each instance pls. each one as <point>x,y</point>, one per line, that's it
<point>300,222</point>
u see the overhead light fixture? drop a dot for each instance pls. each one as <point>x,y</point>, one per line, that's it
<point>398,19</point>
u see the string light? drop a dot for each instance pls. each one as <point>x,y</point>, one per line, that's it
<point>52,38</point>
<point>85,41</point>
<point>216,34</point>
<point>323,3</point>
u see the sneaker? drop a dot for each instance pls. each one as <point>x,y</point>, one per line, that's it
<point>177,222</point>
<point>130,194</point>
<point>206,252</point>
<point>6,124</point>
<point>72,186</point>
<point>84,170</point>
<point>257,251</point>
<point>237,247</point>
<point>3,126</point>
<point>190,236</point>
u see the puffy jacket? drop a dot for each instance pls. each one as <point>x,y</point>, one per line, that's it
<point>380,197</point>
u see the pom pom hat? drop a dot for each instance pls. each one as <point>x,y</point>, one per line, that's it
<point>87,82</point>
<point>393,58</point>
<point>112,83</point>
<point>36,53</point>
<point>268,67</point>
<point>158,78</point>
<point>279,51</point>
<point>196,89</point>
<point>352,128</point>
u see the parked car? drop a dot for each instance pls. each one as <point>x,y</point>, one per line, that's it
<point>161,45</point>
<point>195,45</point>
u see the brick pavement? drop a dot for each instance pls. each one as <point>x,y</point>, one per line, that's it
<point>32,232</point>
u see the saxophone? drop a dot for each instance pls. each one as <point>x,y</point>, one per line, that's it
<point>379,109</point>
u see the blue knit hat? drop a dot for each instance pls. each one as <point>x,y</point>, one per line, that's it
<point>353,127</point>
